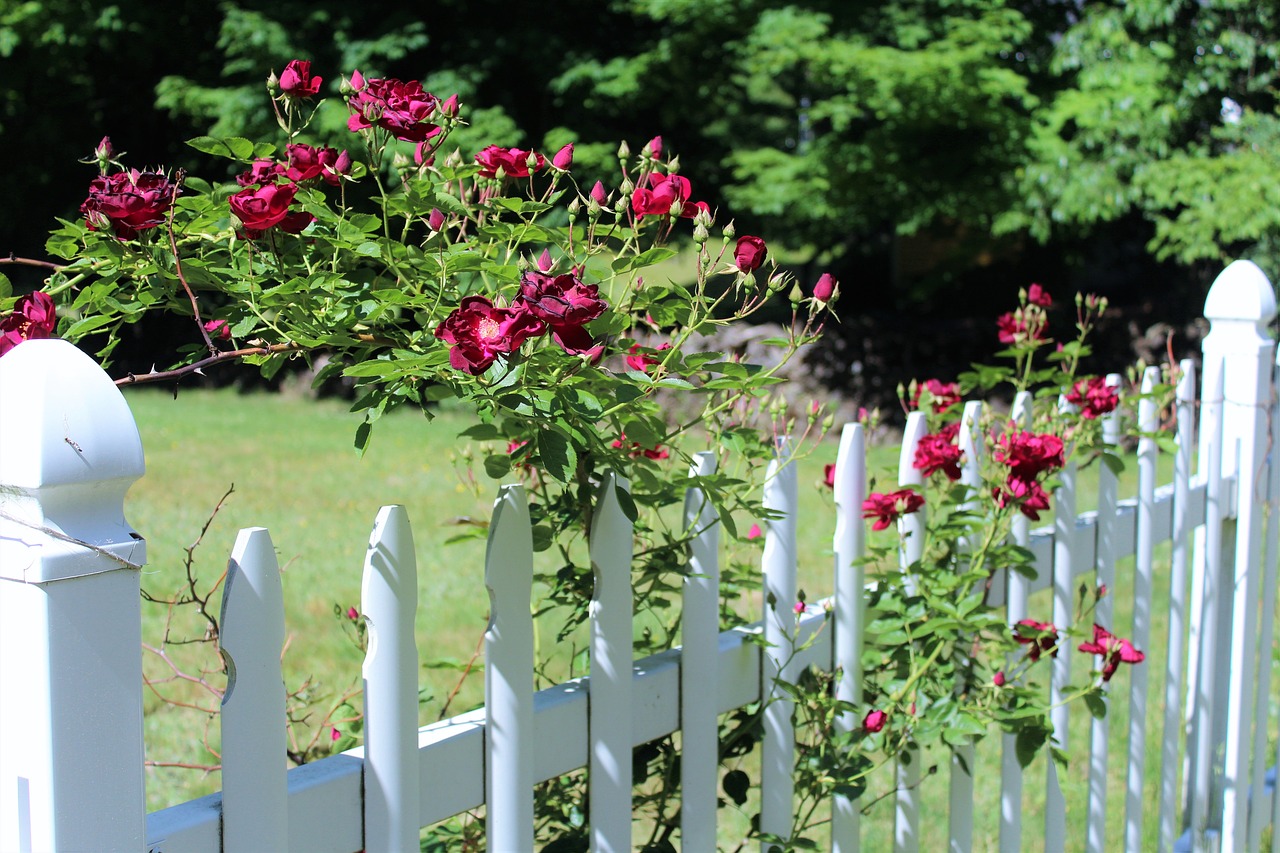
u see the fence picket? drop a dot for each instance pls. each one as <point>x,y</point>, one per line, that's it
<point>1099,735</point>
<point>610,722</point>
<point>1064,545</point>
<point>906,827</point>
<point>699,676</point>
<point>777,761</point>
<point>254,799</point>
<point>1142,580</point>
<point>1019,590</point>
<point>849,543</point>
<point>962,759</point>
<point>389,599</point>
<point>1259,816</point>
<point>1174,666</point>
<point>508,675</point>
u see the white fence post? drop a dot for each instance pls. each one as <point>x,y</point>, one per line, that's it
<point>508,675</point>
<point>699,659</point>
<point>850,545</point>
<point>777,752</point>
<point>254,788</point>
<point>389,599</point>
<point>71,774</point>
<point>1064,548</point>
<point>1240,307</point>
<point>911,529</point>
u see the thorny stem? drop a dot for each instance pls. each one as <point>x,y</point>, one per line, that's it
<point>177,262</point>
<point>32,262</point>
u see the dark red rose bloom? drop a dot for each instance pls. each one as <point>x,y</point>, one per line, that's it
<point>665,193</point>
<point>654,453</point>
<point>939,452</point>
<point>1115,651</point>
<point>480,332</point>
<point>561,300</point>
<point>262,208</point>
<point>1094,397</point>
<point>829,474</point>
<point>1029,495</point>
<point>750,253</point>
<point>218,329</point>
<point>334,165</point>
<point>1037,295</point>
<point>1021,326</point>
<point>888,508</point>
<point>1029,454</point>
<point>33,318</point>
<point>401,108</point>
<point>262,172</point>
<point>296,80</point>
<point>514,162</point>
<point>127,202</point>
<point>1037,636</point>
<point>945,394</point>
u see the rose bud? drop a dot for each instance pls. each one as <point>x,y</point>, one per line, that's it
<point>435,221</point>
<point>564,158</point>
<point>825,289</point>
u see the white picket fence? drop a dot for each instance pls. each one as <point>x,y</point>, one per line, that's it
<point>71,753</point>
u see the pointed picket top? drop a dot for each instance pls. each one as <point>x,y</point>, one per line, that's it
<point>508,675</point>
<point>65,464</point>
<point>699,659</point>
<point>255,792</point>
<point>917,428</point>
<point>609,775</point>
<point>389,600</point>
<point>849,545</point>
<point>971,447</point>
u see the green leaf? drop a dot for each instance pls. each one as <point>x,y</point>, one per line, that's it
<point>1096,702</point>
<point>497,465</point>
<point>482,432</point>
<point>626,503</point>
<point>87,325</point>
<point>736,783</point>
<point>363,433</point>
<point>232,147</point>
<point>558,456</point>
<point>1028,743</point>
<point>6,289</point>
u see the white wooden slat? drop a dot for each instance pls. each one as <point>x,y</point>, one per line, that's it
<point>1019,590</point>
<point>1170,759</point>
<point>1261,814</point>
<point>960,810</point>
<point>1148,422</point>
<point>906,826</point>
<point>389,601</point>
<point>610,723</point>
<point>699,639</point>
<point>1064,553</point>
<point>781,496</point>
<point>849,544</point>
<point>255,795</point>
<point>1099,735</point>
<point>508,675</point>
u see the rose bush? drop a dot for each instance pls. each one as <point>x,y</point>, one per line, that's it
<point>423,274</point>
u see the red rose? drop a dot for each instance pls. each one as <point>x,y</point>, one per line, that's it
<point>1038,636</point>
<point>874,722</point>
<point>1115,651</point>
<point>514,162</point>
<point>1021,326</point>
<point>829,474</point>
<point>939,452</point>
<point>1094,397</point>
<point>304,163</point>
<point>750,253</point>
<point>999,679</point>
<point>564,158</point>
<point>218,329</point>
<point>565,304</point>
<point>637,359</point>
<point>127,202</point>
<point>888,508</point>
<point>261,172</point>
<point>1037,295</point>
<point>1030,454</point>
<point>480,332</point>
<point>944,394</point>
<point>1029,495</point>
<point>262,208</point>
<point>296,80</point>
<point>33,318</point>
<point>401,108</point>
<point>665,193</point>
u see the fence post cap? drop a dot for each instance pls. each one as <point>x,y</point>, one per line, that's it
<point>1241,292</point>
<point>69,450</point>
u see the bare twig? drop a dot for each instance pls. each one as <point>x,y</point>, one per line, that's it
<point>32,262</point>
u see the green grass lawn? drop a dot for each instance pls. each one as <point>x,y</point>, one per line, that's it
<point>295,472</point>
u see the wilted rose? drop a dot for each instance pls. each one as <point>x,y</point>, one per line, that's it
<point>127,202</point>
